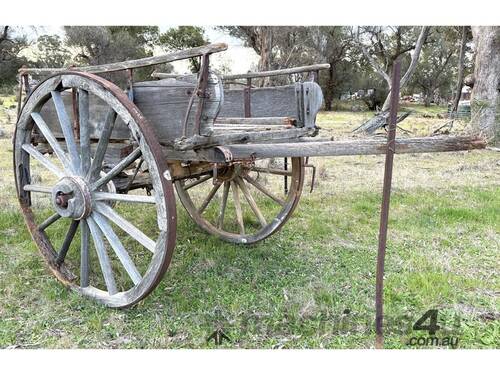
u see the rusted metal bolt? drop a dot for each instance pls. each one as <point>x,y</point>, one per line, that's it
<point>62,200</point>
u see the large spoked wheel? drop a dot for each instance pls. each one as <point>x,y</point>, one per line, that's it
<point>65,182</point>
<point>244,202</point>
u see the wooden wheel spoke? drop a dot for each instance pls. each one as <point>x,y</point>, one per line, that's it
<point>67,242</point>
<point>67,130</point>
<point>102,145</point>
<point>38,189</point>
<point>104,196</point>
<point>43,160</point>
<point>225,193</point>
<point>84,255</point>
<point>124,163</point>
<point>280,172</point>
<point>237,207</point>
<point>197,182</point>
<point>118,248</point>
<point>251,201</point>
<point>83,108</point>
<point>54,144</point>
<point>209,198</point>
<point>128,227</point>
<point>104,260</point>
<point>261,188</point>
<point>49,221</point>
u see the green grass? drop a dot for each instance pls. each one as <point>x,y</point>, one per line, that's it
<point>309,286</point>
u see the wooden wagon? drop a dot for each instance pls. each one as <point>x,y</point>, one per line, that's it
<point>234,153</point>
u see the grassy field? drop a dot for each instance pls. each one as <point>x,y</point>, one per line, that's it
<point>309,286</point>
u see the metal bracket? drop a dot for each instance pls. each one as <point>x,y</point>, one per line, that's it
<point>313,177</point>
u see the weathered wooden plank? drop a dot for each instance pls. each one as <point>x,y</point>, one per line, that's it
<point>220,128</point>
<point>164,104</point>
<point>132,64</point>
<point>270,73</point>
<point>255,120</point>
<point>358,147</point>
<point>240,137</point>
<point>301,101</point>
<point>265,102</point>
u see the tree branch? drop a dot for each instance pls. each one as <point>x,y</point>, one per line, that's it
<point>416,54</point>
<point>373,63</point>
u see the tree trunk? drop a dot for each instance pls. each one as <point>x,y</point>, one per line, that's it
<point>461,66</point>
<point>427,98</point>
<point>485,116</point>
<point>266,45</point>
<point>329,89</point>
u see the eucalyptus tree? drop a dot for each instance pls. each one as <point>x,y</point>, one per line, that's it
<point>485,101</point>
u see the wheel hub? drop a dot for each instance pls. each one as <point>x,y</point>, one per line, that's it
<point>71,198</point>
<point>229,172</point>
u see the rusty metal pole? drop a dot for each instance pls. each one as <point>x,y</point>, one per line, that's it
<point>247,98</point>
<point>384,212</point>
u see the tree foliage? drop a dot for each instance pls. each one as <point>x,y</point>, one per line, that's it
<point>437,68</point>
<point>183,37</point>
<point>51,52</point>
<point>104,44</point>
<point>12,43</point>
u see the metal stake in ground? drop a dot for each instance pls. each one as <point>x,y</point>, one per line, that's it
<point>386,197</point>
